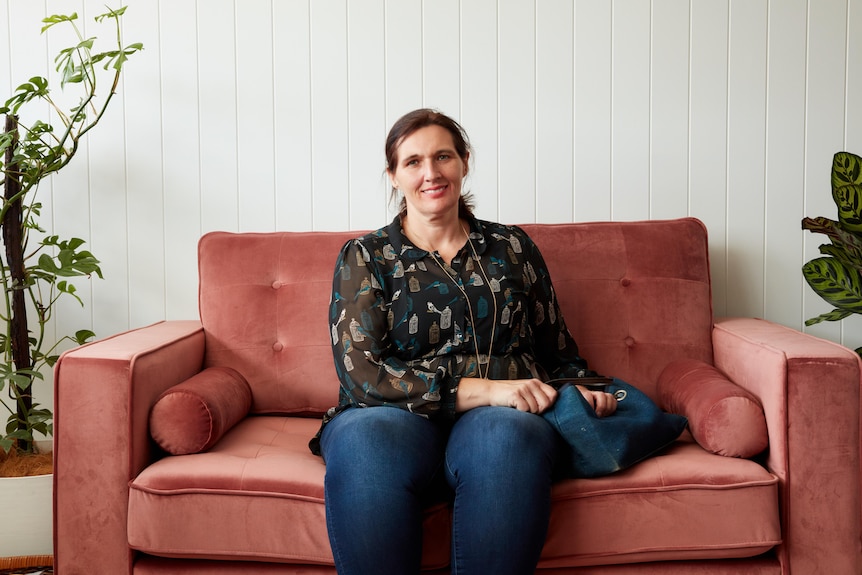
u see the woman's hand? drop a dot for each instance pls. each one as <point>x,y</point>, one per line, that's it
<point>530,395</point>
<point>603,403</point>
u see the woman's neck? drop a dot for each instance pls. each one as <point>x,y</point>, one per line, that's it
<point>446,237</point>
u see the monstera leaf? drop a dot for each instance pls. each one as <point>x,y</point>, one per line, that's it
<point>838,284</point>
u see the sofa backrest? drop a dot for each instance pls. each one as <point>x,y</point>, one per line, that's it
<point>635,296</point>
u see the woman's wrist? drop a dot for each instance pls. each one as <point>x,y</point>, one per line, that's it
<point>524,394</point>
<point>472,392</point>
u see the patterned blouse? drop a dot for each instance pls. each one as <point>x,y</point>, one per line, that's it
<point>403,333</point>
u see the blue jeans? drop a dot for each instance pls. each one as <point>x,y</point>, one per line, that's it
<point>383,465</point>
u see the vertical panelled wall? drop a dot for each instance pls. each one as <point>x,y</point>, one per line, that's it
<point>259,115</point>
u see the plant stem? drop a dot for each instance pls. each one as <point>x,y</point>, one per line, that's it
<point>12,232</point>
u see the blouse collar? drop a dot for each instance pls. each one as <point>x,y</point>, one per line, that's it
<point>403,246</point>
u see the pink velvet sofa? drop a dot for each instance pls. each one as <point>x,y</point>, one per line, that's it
<point>767,481</point>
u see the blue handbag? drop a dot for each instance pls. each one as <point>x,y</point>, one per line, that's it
<point>597,446</point>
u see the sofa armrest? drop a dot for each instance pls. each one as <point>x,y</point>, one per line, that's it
<point>810,391</point>
<point>103,392</point>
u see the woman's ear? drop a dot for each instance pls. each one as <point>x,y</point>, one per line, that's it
<point>466,164</point>
<point>392,178</point>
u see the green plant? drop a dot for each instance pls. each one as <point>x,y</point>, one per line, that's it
<point>37,267</point>
<point>837,276</point>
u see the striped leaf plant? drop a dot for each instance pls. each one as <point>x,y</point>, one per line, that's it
<point>836,276</point>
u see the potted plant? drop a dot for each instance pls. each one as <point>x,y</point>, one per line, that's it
<point>837,275</point>
<point>37,267</point>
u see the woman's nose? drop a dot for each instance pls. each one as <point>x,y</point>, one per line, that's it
<point>430,170</point>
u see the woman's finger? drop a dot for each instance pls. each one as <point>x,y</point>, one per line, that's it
<point>603,403</point>
<point>606,404</point>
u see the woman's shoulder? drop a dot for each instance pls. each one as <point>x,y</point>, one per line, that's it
<point>379,236</point>
<point>500,231</point>
<point>499,227</point>
<point>381,245</point>
<point>376,238</point>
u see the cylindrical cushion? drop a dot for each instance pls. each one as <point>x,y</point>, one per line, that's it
<point>723,417</point>
<point>193,415</point>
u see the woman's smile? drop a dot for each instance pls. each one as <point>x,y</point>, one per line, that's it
<point>435,189</point>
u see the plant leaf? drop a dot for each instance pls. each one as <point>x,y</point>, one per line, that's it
<point>47,264</point>
<point>837,284</point>
<point>837,252</point>
<point>116,58</point>
<point>849,201</point>
<point>82,336</point>
<point>72,71</point>
<point>37,87</point>
<point>69,261</point>
<point>111,13</point>
<point>834,315</point>
<point>56,19</point>
<point>846,170</point>
<point>847,241</point>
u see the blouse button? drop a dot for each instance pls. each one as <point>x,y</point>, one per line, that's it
<point>277,346</point>
<point>276,284</point>
<point>625,282</point>
<point>630,341</point>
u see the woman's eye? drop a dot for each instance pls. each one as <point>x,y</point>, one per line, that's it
<point>443,157</point>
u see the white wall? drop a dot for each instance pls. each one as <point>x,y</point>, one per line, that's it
<point>260,115</point>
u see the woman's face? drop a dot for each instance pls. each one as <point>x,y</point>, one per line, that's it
<point>429,171</point>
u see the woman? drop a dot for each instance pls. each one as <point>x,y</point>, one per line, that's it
<point>441,324</point>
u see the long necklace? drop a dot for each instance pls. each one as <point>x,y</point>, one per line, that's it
<point>470,306</point>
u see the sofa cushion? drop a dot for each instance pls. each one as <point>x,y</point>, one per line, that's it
<point>723,417</point>
<point>192,416</point>
<point>685,503</point>
<point>258,495</point>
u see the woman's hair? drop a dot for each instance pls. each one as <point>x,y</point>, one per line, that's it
<point>416,120</point>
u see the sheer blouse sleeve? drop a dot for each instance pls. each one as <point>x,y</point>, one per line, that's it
<point>368,367</point>
<point>553,345</point>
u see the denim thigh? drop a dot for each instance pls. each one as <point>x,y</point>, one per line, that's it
<point>380,465</point>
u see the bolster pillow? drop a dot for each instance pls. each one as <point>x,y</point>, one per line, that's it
<point>192,416</point>
<point>722,417</point>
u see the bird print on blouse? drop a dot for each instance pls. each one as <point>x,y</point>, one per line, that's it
<point>402,334</point>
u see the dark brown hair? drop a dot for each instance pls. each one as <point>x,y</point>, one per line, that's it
<point>410,123</point>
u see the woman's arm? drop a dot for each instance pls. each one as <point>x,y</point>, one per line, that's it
<point>553,345</point>
<point>530,395</point>
<point>524,394</point>
<point>369,372</point>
